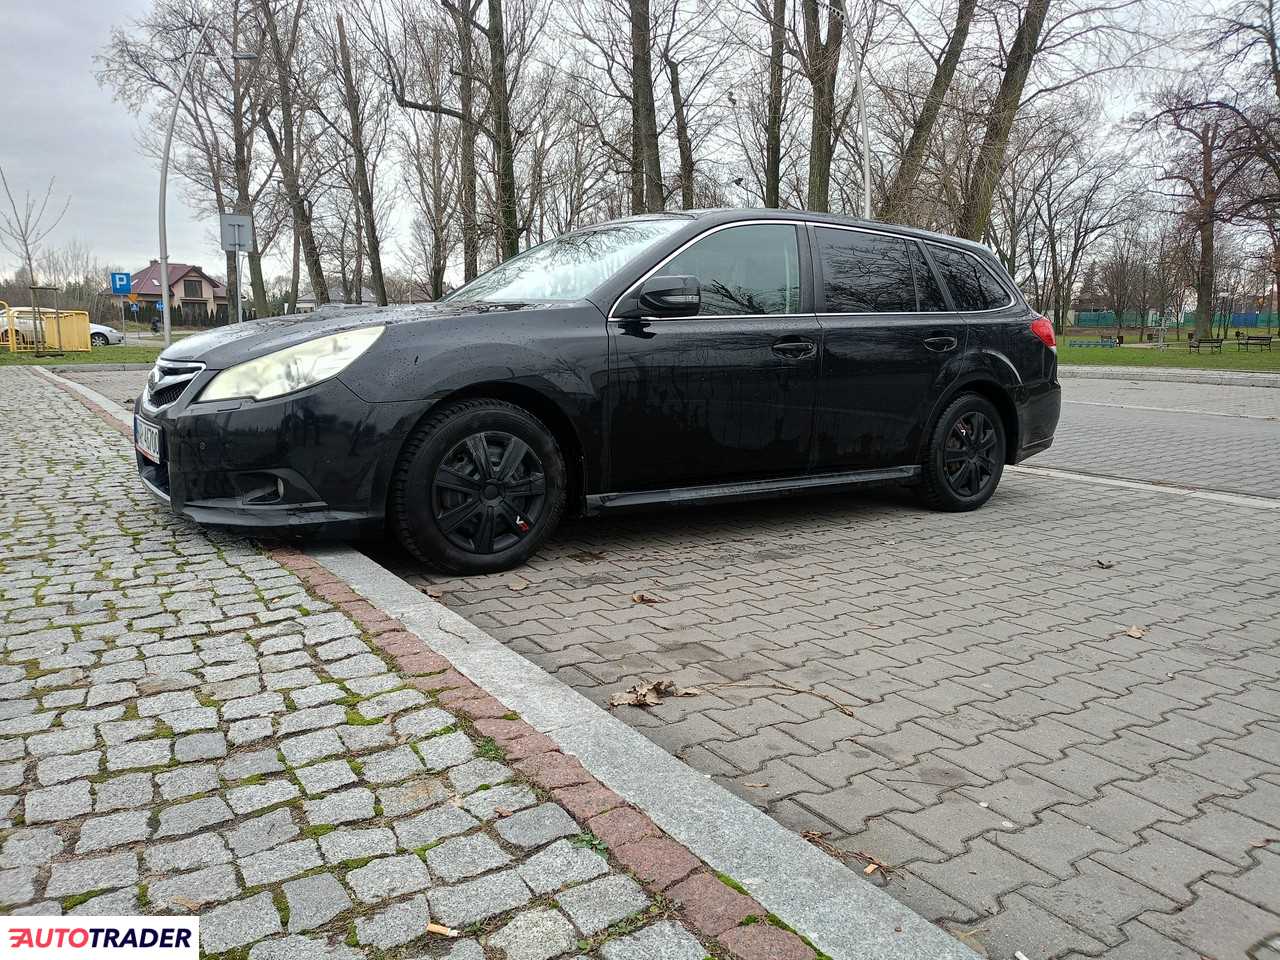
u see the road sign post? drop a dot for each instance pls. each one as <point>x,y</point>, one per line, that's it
<point>237,237</point>
<point>122,286</point>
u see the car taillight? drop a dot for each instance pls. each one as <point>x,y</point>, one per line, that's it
<point>1043,329</point>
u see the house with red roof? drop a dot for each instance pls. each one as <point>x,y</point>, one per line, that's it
<point>196,298</point>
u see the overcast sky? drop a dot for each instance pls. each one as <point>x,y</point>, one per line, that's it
<point>56,121</point>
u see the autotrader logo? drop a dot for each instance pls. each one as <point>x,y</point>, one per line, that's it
<point>130,938</point>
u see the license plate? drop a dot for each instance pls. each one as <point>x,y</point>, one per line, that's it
<point>146,437</point>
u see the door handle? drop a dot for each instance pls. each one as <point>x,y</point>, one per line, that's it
<point>940,344</point>
<point>795,348</point>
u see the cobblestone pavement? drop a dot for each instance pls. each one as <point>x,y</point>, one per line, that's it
<point>184,728</point>
<point>1148,435</point>
<point>1041,778</point>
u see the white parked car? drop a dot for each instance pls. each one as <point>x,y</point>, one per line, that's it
<point>100,335</point>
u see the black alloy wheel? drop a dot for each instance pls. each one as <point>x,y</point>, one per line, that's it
<point>969,455</point>
<point>966,455</point>
<point>479,486</point>
<point>488,492</point>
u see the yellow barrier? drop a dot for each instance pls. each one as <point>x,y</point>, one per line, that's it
<point>43,328</point>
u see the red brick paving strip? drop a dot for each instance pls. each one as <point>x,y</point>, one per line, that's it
<point>709,904</point>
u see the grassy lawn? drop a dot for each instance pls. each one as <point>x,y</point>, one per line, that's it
<point>121,353</point>
<point>1176,355</point>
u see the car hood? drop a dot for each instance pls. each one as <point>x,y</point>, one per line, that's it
<point>238,342</point>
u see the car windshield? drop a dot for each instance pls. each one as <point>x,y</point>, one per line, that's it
<point>568,267</point>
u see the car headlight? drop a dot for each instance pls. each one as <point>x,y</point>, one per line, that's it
<point>292,368</point>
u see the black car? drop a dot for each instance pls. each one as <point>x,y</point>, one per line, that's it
<point>668,359</point>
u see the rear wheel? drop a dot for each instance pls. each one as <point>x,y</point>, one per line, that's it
<point>966,455</point>
<point>98,339</point>
<point>479,486</point>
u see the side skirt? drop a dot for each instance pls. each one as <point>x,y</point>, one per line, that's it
<point>748,489</point>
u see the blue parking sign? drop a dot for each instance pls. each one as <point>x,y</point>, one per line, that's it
<point>121,284</point>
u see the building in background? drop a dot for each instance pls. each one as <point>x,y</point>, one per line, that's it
<point>198,299</point>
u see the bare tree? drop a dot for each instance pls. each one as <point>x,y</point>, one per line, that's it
<point>27,223</point>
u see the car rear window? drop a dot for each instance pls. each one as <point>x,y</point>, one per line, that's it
<point>971,284</point>
<point>865,272</point>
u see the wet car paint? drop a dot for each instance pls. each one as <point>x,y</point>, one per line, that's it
<point>636,405</point>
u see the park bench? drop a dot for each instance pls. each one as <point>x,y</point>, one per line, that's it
<point>1213,343</point>
<point>1261,341</point>
<point>1104,342</point>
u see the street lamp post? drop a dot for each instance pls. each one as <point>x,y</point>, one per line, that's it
<point>164,175</point>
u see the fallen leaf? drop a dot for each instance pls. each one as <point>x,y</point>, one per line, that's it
<point>503,811</point>
<point>1136,632</point>
<point>873,864</point>
<point>191,906</point>
<point>582,556</point>
<point>444,931</point>
<point>871,868</point>
<point>518,584</point>
<point>1105,564</point>
<point>437,595</point>
<point>644,598</point>
<point>1265,842</point>
<point>651,694</point>
<point>755,784</point>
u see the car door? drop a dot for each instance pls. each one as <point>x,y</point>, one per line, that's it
<point>888,334</point>
<point>726,394</point>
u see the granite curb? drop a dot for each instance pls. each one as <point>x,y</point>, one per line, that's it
<point>1227,378</point>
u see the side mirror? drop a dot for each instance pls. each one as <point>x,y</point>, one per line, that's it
<point>665,297</point>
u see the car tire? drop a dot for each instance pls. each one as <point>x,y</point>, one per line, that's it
<point>966,456</point>
<point>98,339</point>
<point>478,487</point>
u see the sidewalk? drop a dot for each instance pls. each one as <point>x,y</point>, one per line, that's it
<point>189,725</point>
<point>1229,378</point>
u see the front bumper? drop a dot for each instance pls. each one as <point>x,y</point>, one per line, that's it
<point>319,460</point>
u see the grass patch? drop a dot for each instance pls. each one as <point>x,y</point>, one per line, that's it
<point>144,895</point>
<point>732,884</point>
<point>120,353</point>
<point>487,749</point>
<point>591,842</point>
<point>282,906</point>
<point>354,719</point>
<point>442,732</point>
<point>1177,355</point>
<point>319,830</point>
<point>70,903</point>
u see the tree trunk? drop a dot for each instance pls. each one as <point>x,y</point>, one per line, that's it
<point>773,118</point>
<point>1208,214</point>
<point>286,157</point>
<point>824,60</point>
<point>233,289</point>
<point>293,276</point>
<point>682,138</point>
<point>637,163</point>
<point>363,183</point>
<point>504,151</point>
<point>243,206</point>
<point>643,109</point>
<point>897,202</point>
<point>467,144</point>
<point>976,212</point>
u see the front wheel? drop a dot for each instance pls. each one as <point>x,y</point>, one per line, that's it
<point>98,339</point>
<point>966,455</point>
<point>479,487</point>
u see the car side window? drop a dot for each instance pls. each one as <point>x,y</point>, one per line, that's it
<point>928,293</point>
<point>972,285</point>
<point>751,269</point>
<point>865,272</point>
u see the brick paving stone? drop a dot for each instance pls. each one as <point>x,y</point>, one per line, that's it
<point>279,863</point>
<point>464,857</point>
<point>236,924</point>
<point>391,766</point>
<point>262,833</point>
<point>434,825</point>
<point>423,723</point>
<point>394,926</point>
<point>659,941</point>
<point>487,804</point>
<point>258,796</point>
<point>601,903</point>
<point>412,796</point>
<point>322,777</point>
<point>761,941</point>
<point>201,851</point>
<point>191,892</point>
<point>449,750</point>
<point>711,905</point>
<point>536,826</point>
<point>200,746</point>
<point>341,845</point>
<point>113,830</point>
<point>656,860</point>
<point>310,747</point>
<point>81,875</point>
<point>620,826</point>
<point>254,763</point>
<point>585,801</point>
<point>478,900</point>
<point>30,848</point>
<point>302,948</point>
<point>314,901</point>
<point>535,935</point>
<point>57,803</point>
<point>478,773</point>
<point>388,877</point>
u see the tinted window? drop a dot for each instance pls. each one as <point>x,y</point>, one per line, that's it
<point>753,269</point>
<point>928,293</point>
<point>568,267</point>
<point>865,273</point>
<point>972,285</point>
